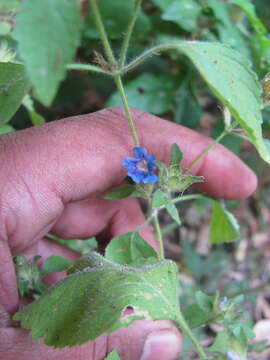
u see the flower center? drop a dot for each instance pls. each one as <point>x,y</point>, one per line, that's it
<point>142,166</point>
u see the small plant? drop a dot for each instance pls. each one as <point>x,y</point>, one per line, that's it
<point>131,274</point>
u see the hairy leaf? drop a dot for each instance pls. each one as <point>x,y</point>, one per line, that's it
<point>127,248</point>
<point>172,210</point>
<point>176,156</point>
<point>159,199</point>
<point>231,78</point>
<point>13,87</point>
<point>92,302</point>
<point>223,225</point>
<point>48,33</point>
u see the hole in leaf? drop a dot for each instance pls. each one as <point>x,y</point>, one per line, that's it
<point>127,311</point>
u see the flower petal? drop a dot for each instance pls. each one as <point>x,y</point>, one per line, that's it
<point>139,152</point>
<point>150,178</point>
<point>136,177</point>
<point>129,161</point>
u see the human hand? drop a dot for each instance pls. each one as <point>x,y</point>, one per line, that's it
<point>52,180</point>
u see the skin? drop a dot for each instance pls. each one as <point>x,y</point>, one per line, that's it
<point>52,180</point>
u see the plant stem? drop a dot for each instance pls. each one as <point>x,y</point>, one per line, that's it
<point>185,198</point>
<point>158,236</point>
<point>189,197</point>
<point>125,45</point>
<point>148,53</point>
<point>132,127</point>
<point>112,61</point>
<point>87,67</point>
<point>186,329</point>
<point>205,151</point>
<point>102,32</point>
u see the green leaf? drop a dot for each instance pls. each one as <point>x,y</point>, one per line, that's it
<point>148,92</point>
<point>4,129</point>
<point>54,264</point>
<point>8,6</point>
<point>172,210</point>
<point>176,156</point>
<point>159,199</point>
<point>249,9</point>
<point>183,13</point>
<point>113,355</point>
<point>260,42</point>
<point>36,118</point>
<point>203,311</point>
<point>231,78</point>
<point>47,45</point>
<point>13,86</point>
<point>127,248</point>
<point>115,16</point>
<point>223,225</point>
<point>204,301</point>
<point>121,193</point>
<point>5,28</point>
<point>228,33</point>
<point>87,304</point>
<point>226,343</point>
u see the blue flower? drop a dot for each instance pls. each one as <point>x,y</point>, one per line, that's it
<point>141,168</point>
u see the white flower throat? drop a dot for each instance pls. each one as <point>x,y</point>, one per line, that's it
<point>142,166</point>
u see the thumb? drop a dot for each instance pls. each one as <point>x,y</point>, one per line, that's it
<point>143,340</point>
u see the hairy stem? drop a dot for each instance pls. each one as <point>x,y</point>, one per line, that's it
<point>205,151</point>
<point>158,236</point>
<point>186,330</point>
<point>102,32</point>
<point>148,53</point>
<point>189,197</point>
<point>87,67</point>
<point>131,123</point>
<point>125,45</point>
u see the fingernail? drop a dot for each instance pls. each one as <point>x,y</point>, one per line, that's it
<point>162,345</point>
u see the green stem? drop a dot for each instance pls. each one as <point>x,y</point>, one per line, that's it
<point>102,32</point>
<point>132,127</point>
<point>158,236</point>
<point>148,53</point>
<point>189,197</point>
<point>88,67</point>
<point>205,151</point>
<point>125,45</point>
<point>186,330</point>
<point>185,198</point>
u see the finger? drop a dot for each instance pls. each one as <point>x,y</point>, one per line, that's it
<point>96,215</point>
<point>146,340</point>
<point>71,159</point>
